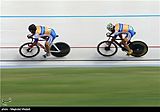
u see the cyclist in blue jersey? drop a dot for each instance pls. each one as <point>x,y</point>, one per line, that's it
<point>120,29</point>
<point>41,32</point>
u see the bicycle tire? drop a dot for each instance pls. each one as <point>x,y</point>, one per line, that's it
<point>139,48</point>
<point>107,48</point>
<point>63,47</point>
<point>23,46</point>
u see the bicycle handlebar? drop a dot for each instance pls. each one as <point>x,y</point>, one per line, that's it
<point>109,35</point>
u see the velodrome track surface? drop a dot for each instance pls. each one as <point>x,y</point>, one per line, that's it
<point>78,57</point>
<point>82,27</point>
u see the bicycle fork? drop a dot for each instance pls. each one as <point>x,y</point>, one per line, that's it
<point>108,46</point>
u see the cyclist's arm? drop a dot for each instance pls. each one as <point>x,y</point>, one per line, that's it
<point>114,36</point>
<point>112,32</point>
<point>36,38</point>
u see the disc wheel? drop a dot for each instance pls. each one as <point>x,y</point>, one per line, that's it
<point>64,49</point>
<point>139,48</point>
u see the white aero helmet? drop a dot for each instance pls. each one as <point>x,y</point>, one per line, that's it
<point>110,27</point>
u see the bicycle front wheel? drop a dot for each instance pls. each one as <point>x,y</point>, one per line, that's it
<point>107,48</point>
<point>27,52</point>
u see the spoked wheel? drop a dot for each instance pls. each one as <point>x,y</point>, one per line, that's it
<point>107,48</point>
<point>64,49</point>
<point>27,52</point>
<point>139,48</point>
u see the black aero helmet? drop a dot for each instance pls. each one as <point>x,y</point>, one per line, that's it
<point>32,28</point>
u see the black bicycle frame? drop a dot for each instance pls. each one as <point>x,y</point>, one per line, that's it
<point>123,48</point>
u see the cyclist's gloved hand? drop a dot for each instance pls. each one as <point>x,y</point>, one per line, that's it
<point>108,34</point>
<point>29,36</point>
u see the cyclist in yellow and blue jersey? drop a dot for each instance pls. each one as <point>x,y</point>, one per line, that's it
<point>41,32</point>
<point>120,29</point>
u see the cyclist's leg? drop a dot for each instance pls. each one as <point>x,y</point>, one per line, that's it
<point>47,46</point>
<point>49,42</point>
<point>125,41</point>
<point>41,45</point>
<point>51,38</point>
<point>121,36</point>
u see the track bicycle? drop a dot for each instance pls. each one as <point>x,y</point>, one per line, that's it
<point>109,48</point>
<point>58,49</point>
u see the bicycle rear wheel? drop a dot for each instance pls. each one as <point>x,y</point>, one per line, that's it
<point>64,49</point>
<point>139,48</point>
<point>107,48</point>
<point>27,52</point>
